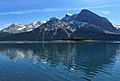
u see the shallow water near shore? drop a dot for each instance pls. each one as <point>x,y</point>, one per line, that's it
<point>60,61</point>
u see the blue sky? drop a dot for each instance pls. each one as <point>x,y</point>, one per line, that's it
<point>26,11</point>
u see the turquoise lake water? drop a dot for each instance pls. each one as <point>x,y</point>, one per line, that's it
<point>83,61</point>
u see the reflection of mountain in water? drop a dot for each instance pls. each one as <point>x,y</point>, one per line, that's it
<point>88,57</point>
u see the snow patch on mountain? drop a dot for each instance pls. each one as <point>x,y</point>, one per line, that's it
<point>43,21</point>
<point>69,14</point>
<point>21,28</point>
<point>18,28</point>
<point>116,26</point>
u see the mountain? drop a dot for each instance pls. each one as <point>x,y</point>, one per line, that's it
<point>86,16</point>
<point>54,29</point>
<point>19,28</point>
<point>118,28</point>
<point>85,25</point>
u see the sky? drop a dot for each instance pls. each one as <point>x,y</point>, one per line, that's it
<point>27,11</point>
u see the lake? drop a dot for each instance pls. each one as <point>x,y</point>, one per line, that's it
<point>64,61</point>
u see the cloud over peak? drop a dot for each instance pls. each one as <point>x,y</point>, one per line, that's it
<point>57,9</point>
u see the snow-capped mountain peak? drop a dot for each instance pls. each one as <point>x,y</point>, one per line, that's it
<point>116,26</point>
<point>69,14</point>
<point>43,21</point>
<point>35,24</point>
<point>18,28</point>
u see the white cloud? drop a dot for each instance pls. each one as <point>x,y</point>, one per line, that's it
<point>102,6</point>
<point>18,12</point>
<point>37,10</point>
<point>57,9</point>
<point>91,1</point>
<point>104,12</point>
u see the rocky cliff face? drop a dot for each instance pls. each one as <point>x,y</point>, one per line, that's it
<point>86,16</point>
<point>86,24</point>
